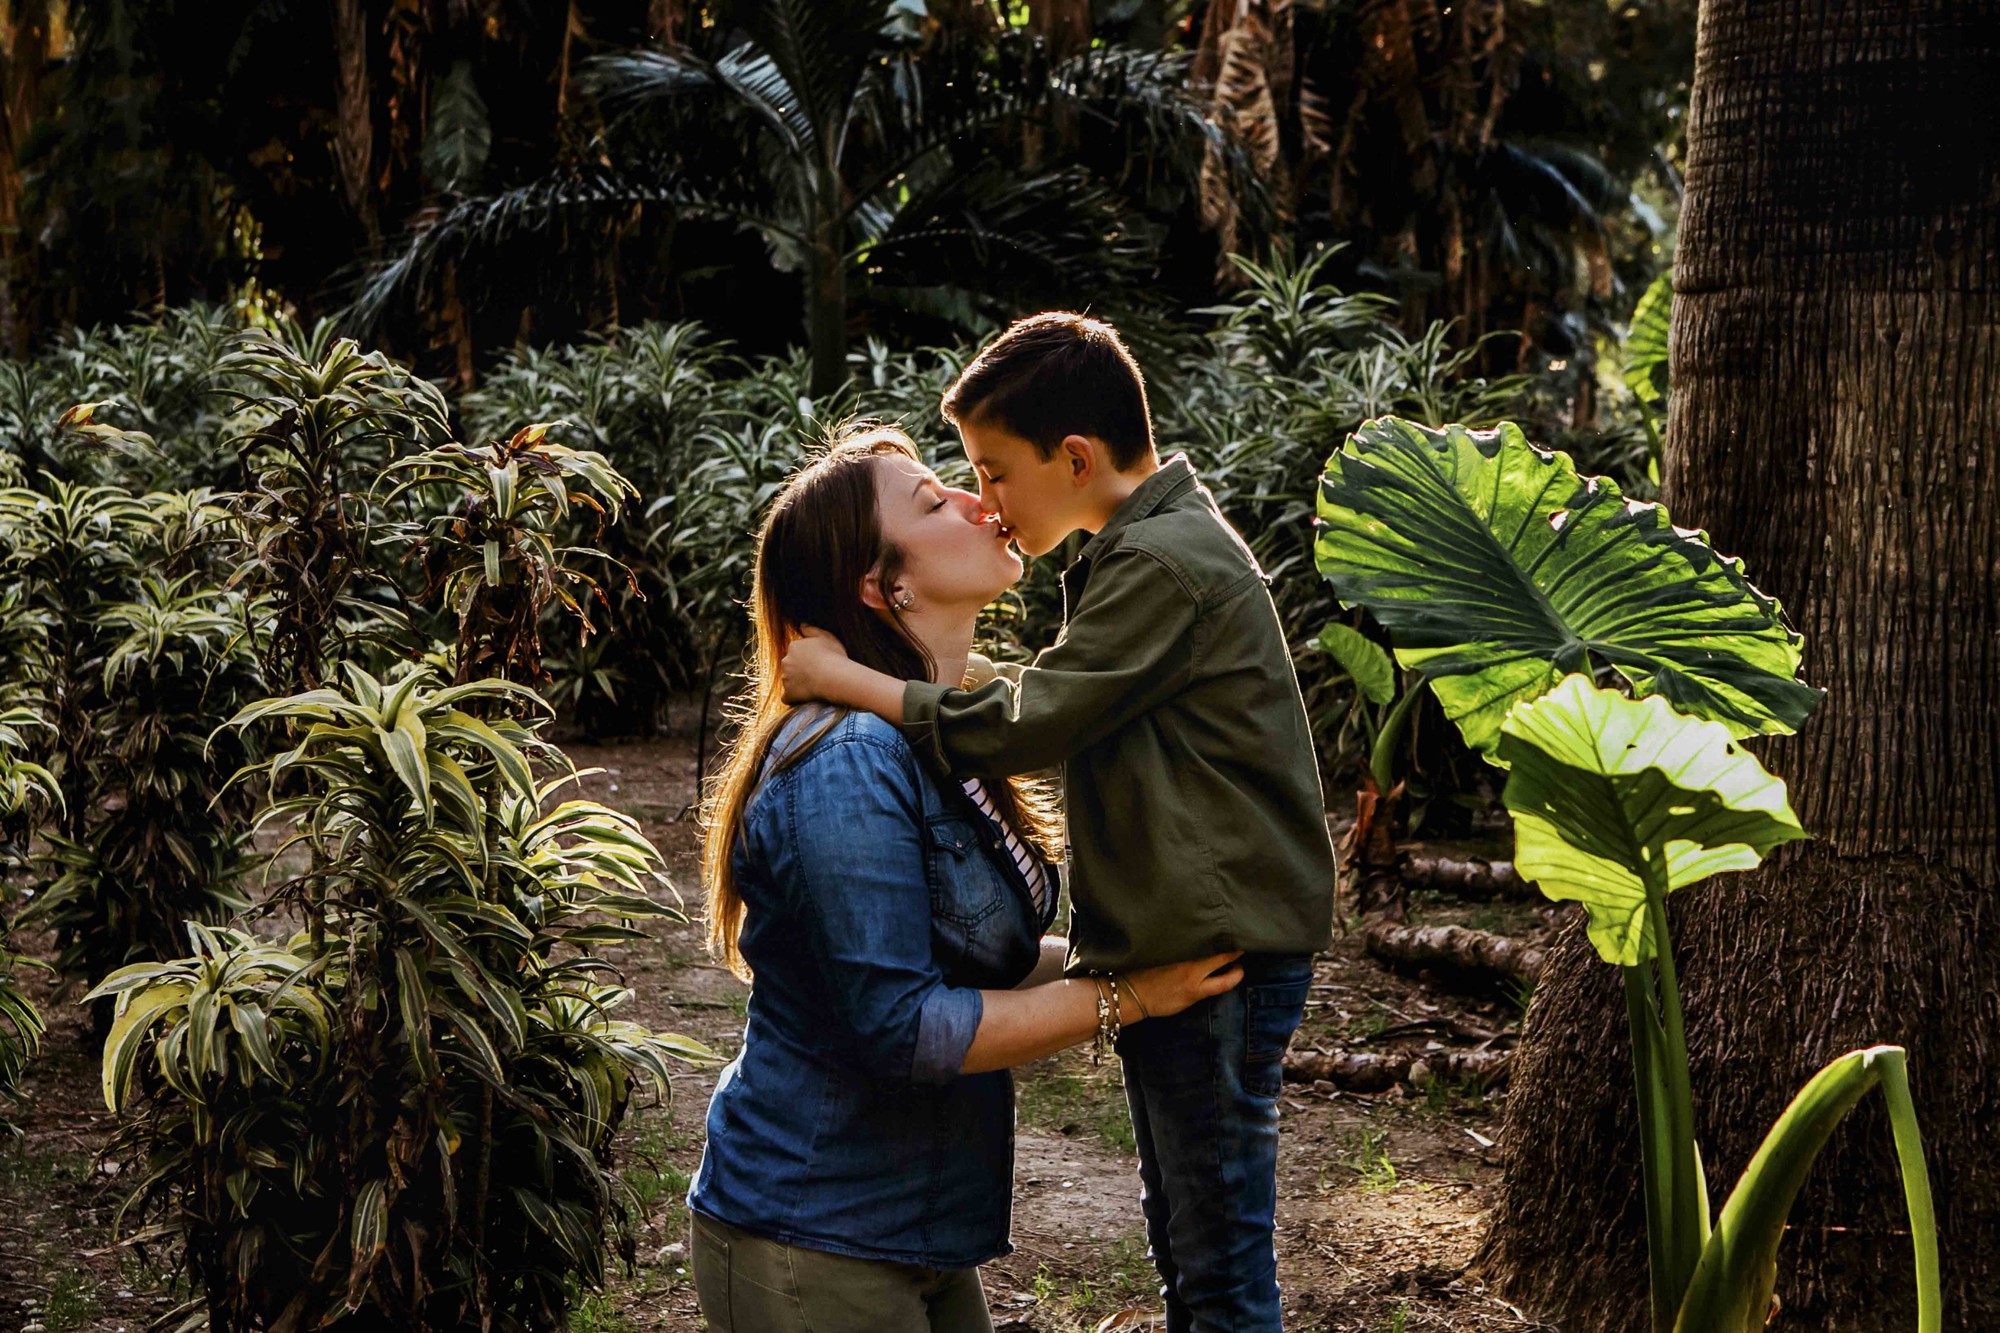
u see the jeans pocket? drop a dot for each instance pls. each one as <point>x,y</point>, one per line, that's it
<point>1271,1013</point>
<point>710,1260</point>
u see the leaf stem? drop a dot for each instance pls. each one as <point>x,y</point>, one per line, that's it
<point>1685,1223</point>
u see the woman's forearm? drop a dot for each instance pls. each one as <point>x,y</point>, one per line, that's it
<point>1022,1025</point>
<point>1049,967</point>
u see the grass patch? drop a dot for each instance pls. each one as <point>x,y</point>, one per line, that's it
<point>39,1171</point>
<point>1072,1104</point>
<point>593,1312</point>
<point>1365,1152</point>
<point>1121,1277</point>
<point>654,1181</point>
<point>72,1303</point>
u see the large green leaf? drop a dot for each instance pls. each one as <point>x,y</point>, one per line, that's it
<point>1646,342</point>
<point>1616,798</point>
<point>1362,659</point>
<point>1498,570</point>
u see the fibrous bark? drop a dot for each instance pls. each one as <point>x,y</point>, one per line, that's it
<point>1836,397</point>
<point>354,129</point>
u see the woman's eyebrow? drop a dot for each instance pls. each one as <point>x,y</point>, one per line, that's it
<point>921,483</point>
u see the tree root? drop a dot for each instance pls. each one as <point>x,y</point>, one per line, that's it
<point>1378,1071</point>
<point>1464,876</point>
<point>1461,949</point>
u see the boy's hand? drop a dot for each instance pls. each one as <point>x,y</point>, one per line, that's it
<point>811,663</point>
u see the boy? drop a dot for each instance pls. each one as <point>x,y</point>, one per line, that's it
<point>1196,821</point>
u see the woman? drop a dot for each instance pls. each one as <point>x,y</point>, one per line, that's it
<point>860,1148</point>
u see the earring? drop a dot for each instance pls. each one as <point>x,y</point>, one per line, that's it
<point>905,602</point>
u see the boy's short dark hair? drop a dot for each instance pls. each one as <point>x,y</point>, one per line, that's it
<point>1057,374</point>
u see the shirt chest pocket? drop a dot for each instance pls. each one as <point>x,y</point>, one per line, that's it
<point>966,887</point>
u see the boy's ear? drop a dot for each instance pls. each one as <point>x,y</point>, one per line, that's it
<point>1079,457</point>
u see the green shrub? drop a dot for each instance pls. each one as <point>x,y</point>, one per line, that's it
<point>401,1117</point>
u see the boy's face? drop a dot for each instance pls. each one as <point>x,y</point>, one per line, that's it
<point>1037,499</point>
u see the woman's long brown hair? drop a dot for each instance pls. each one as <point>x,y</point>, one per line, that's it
<point>820,540</point>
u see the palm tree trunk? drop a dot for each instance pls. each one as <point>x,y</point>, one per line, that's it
<point>26,56</point>
<point>665,19</point>
<point>826,314</point>
<point>1836,379</point>
<point>354,132</point>
<point>1063,24</point>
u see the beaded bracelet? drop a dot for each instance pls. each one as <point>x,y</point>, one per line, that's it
<point>1107,1019</point>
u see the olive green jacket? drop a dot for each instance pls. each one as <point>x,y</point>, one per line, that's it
<point>1196,821</point>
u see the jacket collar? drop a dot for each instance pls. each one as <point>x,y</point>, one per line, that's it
<point>1174,479</point>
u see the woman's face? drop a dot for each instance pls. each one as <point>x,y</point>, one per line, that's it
<point>953,556</point>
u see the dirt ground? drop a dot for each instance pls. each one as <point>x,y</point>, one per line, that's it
<point>1382,1199</point>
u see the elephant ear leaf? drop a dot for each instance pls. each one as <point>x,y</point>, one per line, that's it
<point>1497,570</point>
<point>1374,675</point>
<point>1615,800</point>
<point>1646,343</point>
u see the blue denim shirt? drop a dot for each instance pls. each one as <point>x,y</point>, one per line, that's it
<point>878,903</point>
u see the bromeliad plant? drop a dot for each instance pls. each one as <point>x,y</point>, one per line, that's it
<point>1512,585</point>
<point>402,1117</point>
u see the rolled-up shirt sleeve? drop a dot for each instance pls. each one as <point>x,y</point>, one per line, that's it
<point>855,826</point>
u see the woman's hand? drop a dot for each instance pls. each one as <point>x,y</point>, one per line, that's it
<point>1172,988</point>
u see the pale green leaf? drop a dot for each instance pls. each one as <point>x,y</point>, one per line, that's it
<point>1614,797</point>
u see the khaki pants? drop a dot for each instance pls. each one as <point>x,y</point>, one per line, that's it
<point>747,1284</point>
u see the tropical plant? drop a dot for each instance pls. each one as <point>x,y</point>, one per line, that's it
<point>161,841</point>
<point>876,162</point>
<point>69,553</point>
<point>402,1117</point>
<point>1505,579</point>
<point>1646,361</point>
<point>488,527</point>
<point>319,421</point>
<point>23,787</point>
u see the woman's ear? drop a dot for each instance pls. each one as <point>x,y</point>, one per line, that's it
<point>871,591</point>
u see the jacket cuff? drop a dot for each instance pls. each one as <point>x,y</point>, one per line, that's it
<point>921,702</point>
<point>945,1028</point>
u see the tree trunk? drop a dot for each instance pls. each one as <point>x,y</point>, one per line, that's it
<point>26,56</point>
<point>664,21</point>
<point>353,131</point>
<point>1836,382</point>
<point>1063,24</point>
<point>826,314</point>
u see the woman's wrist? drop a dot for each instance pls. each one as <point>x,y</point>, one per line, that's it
<point>1131,1009</point>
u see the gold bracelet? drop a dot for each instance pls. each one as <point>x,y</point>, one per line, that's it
<point>1133,991</point>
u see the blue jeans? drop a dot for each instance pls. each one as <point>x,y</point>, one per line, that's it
<point>1203,1090</point>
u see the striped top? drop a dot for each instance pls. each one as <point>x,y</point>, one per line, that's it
<point>1032,870</point>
